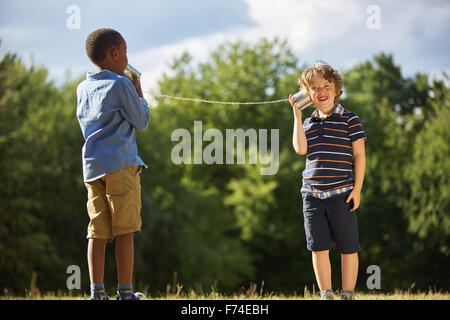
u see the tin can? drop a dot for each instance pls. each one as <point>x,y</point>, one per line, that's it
<point>302,99</point>
<point>129,70</point>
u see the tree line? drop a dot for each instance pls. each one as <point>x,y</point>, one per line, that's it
<point>217,226</point>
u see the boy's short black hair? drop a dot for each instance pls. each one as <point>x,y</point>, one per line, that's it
<point>99,41</point>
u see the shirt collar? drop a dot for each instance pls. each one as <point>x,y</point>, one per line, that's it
<point>337,110</point>
<point>100,75</point>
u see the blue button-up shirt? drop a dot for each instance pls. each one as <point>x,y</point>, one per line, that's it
<point>108,111</point>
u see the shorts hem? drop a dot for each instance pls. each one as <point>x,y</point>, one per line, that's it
<point>349,251</point>
<point>318,249</point>
<point>127,231</point>
<point>92,235</point>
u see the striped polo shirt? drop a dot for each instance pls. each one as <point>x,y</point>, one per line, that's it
<point>329,161</point>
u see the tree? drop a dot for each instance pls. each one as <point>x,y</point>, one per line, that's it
<point>389,105</point>
<point>224,226</point>
<point>38,193</point>
<point>427,203</point>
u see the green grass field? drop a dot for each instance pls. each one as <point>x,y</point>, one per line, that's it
<point>359,296</point>
<point>250,294</point>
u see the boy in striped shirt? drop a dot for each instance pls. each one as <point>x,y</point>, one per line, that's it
<point>333,141</point>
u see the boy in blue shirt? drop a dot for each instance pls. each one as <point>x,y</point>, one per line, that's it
<point>109,108</point>
<point>333,141</point>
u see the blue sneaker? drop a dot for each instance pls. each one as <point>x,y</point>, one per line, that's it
<point>129,295</point>
<point>99,295</point>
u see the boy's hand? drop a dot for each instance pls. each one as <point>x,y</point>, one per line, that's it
<point>137,84</point>
<point>297,112</point>
<point>355,195</point>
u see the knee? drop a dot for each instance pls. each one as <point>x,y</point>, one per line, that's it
<point>320,253</point>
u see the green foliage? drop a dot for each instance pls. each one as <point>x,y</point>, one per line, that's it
<point>397,115</point>
<point>39,212</point>
<point>221,227</point>
<point>428,175</point>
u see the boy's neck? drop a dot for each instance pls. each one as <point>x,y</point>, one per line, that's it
<point>105,67</point>
<point>100,69</point>
<point>323,113</point>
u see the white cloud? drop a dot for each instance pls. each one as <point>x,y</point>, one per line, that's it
<point>335,31</point>
<point>307,24</point>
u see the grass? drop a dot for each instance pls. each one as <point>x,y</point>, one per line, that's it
<point>252,293</point>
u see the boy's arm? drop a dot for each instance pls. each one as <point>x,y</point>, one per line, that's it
<point>299,141</point>
<point>359,164</point>
<point>299,138</point>
<point>134,108</point>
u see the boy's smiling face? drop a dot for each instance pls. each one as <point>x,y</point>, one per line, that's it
<point>322,93</point>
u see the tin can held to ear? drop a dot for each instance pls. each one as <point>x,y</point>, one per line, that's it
<point>302,99</point>
<point>129,70</point>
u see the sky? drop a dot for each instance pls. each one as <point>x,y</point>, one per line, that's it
<point>341,32</point>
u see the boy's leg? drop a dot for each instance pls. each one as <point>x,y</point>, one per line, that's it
<point>124,261</point>
<point>318,240</point>
<point>125,258</point>
<point>96,263</point>
<point>349,263</point>
<point>96,259</point>
<point>322,269</point>
<point>99,228</point>
<point>99,233</point>
<point>123,190</point>
<point>124,195</point>
<point>343,224</point>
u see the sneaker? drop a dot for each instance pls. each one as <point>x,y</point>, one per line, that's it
<point>99,295</point>
<point>326,295</point>
<point>129,295</point>
<point>347,294</point>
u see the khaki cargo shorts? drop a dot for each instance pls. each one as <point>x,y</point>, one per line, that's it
<point>114,204</point>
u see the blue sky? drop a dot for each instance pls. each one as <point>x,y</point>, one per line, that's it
<point>416,32</point>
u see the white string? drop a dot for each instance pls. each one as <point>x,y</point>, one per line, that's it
<point>218,102</point>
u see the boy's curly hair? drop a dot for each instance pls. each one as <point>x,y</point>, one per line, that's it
<point>325,71</point>
<point>99,41</point>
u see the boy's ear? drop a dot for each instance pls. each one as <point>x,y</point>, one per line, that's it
<point>114,53</point>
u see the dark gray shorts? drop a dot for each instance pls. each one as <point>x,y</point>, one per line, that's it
<point>330,219</point>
